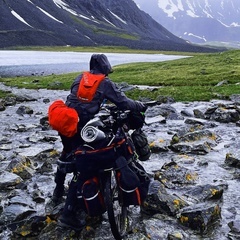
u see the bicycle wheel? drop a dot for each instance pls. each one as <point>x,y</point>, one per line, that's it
<point>117,214</point>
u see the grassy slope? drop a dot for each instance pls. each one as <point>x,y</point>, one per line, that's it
<point>189,79</point>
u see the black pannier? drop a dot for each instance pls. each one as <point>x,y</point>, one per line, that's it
<point>93,197</point>
<point>133,182</point>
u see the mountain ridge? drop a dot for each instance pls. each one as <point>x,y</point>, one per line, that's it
<point>81,23</point>
<point>197,21</point>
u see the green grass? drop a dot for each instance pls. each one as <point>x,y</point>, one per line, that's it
<point>189,79</point>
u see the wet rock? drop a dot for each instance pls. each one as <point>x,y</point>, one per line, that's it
<point>38,196</point>
<point>223,113</point>
<point>165,99</point>
<point>22,199</point>
<point>22,127</point>
<point>183,159</point>
<point>2,107</point>
<point>164,110</point>
<point>156,119</point>
<point>44,121</point>
<point>9,180</point>
<point>30,228</point>
<point>233,159</point>
<point>204,193</point>
<point>175,236</point>
<point>186,113</point>
<point>162,227</point>
<point>25,98</point>
<point>200,217</point>
<point>9,101</point>
<point>193,121</point>
<point>238,123</point>
<point>235,98</point>
<point>24,110</point>
<point>198,142</point>
<point>16,212</point>
<point>45,167</point>
<point>173,175</point>
<point>22,166</point>
<point>124,86</point>
<point>234,232</point>
<point>160,201</point>
<point>4,140</point>
<point>46,100</point>
<point>159,146</point>
<point>198,113</point>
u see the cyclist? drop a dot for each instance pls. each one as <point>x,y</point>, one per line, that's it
<point>77,99</point>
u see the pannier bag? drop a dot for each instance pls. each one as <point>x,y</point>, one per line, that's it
<point>141,144</point>
<point>144,178</point>
<point>63,118</point>
<point>128,183</point>
<point>93,198</point>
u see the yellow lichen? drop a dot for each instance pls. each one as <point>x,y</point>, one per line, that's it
<point>49,220</point>
<point>164,180</point>
<point>178,235</point>
<point>53,152</point>
<point>191,177</point>
<point>214,191</point>
<point>183,219</point>
<point>213,137</point>
<point>88,228</point>
<point>24,232</point>
<point>152,144</point>
<point>176,202</point>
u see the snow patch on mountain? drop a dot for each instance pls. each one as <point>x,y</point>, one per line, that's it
<point>49,15</point>
<point>116,16</point>
<point>16,15</point>
<point>197,20</point>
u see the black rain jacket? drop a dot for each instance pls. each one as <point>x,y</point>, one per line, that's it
<point>107,90</point>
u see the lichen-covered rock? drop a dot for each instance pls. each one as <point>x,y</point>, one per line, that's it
<point>234,232</point>
<point>9,180</point>
<point>197,142</point>
<point>224,113</point>
<point>22,166</point>
<point>233,159</point>
<point>173,175</point>
<point>160,201</point>
<point>16,212</point>
<point>200,216</point>
<point>203,193</point>
<point>24,110</point>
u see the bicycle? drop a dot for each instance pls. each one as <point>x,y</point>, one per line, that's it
<point>109,129</point>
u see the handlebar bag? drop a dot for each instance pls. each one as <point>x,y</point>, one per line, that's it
<point>93,198</point>
<point>141,144</point>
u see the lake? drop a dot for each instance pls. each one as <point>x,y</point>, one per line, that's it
<point>26,63</point>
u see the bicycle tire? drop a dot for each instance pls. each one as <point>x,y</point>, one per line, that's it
<point>117,215</point>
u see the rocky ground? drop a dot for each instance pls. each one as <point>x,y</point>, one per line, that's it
<point>194,168</point>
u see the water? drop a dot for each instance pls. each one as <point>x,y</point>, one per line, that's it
<point>27,63</point>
